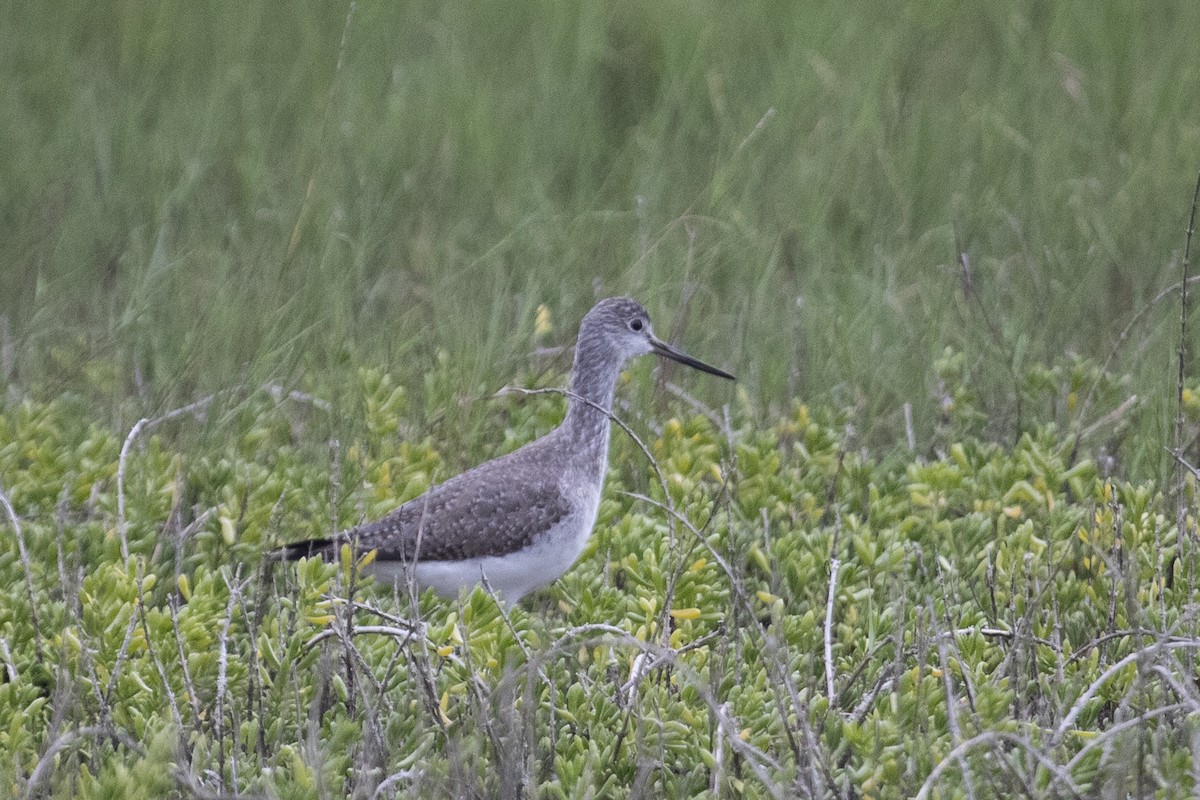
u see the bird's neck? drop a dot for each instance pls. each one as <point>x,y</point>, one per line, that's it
<point>593,382</point>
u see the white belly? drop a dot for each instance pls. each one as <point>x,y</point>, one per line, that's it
<point>511,576</point>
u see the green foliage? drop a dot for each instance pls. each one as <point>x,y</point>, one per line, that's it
<point>983,591</point>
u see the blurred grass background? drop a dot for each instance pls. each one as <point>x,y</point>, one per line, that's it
<point>199,195</point>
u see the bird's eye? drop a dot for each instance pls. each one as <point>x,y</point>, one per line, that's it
<point>635,325</point>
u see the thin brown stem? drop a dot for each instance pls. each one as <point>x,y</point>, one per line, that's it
<point>1180,481</point>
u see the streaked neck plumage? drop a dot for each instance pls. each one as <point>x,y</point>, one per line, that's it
<point>593,383</point>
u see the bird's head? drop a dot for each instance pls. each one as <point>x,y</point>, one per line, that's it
<point>623,325</point>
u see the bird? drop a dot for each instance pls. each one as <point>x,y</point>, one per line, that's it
<point>517,522</point>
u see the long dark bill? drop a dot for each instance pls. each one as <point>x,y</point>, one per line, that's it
<point>663,349</point>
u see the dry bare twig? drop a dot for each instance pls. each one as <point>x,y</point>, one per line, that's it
<point>1105,676</point>
<point>158,665</point>
<point>992,738</point>
<point>951,696</point>
<point>403,634</point>
<point>142,425</point>
<point>124,651</point>
<point>835,565</point>
<point>48,759</point>
<point>1133,722</point>
<point>1180,497</point>
<point>27,567</point>
<point>223,673</point>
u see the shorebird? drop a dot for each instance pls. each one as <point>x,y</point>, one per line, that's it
<point>519,521</point>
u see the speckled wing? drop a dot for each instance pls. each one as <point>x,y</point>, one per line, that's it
<point>491,510</point>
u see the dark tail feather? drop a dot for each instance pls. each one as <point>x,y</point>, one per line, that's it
<point>321,548</point>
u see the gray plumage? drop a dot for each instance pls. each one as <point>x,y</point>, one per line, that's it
<point>519,520</point>
<point>503,504</point>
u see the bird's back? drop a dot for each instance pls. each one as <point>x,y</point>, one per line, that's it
<point>496,508</point>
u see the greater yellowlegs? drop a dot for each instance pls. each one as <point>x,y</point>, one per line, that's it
<point>521,520</point>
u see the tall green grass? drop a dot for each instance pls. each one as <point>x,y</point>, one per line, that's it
<point>197,196</point>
